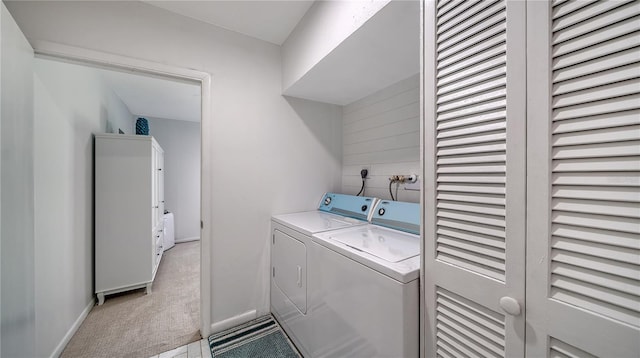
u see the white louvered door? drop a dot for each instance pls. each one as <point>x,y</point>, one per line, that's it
<point>474,162</point>
<point>583,202</point>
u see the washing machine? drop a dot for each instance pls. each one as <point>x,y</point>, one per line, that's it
<point>291,268</point>
<point>366,287</point>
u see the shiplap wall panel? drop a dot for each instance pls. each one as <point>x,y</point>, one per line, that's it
<point>594,238</point>
<point>402,126</point>
<point>397,141</point>
<point>381,133</point>
<point>382,95</point>
<point>398,97</point>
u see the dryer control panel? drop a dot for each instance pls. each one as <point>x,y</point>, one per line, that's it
<point>357,207</point>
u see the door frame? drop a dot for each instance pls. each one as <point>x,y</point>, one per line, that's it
<point>47,49</point>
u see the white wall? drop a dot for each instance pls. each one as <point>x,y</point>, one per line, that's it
<point>381,132</point>
<point>17,312</point>
<point>180,141</point>
<point>325,25</point>
<point>269,154</point>
<point>381,52</point>
<point>71,103</point>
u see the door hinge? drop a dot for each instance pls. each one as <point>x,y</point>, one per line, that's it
<point>273,271</point>
<point>274,238</point>
<point>201,224</point>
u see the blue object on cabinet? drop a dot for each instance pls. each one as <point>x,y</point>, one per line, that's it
<point>142,126</point>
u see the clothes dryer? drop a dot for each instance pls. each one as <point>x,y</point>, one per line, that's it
<point>366,287</point>
<point>291,268</point>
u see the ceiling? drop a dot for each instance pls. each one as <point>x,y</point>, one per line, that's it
<point>148,96</point>
<point>267,20</point>
<point>383,51</point>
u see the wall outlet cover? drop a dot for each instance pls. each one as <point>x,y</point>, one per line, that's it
<point>412,186</point>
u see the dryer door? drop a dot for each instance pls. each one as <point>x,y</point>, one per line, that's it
<point>289,268</point>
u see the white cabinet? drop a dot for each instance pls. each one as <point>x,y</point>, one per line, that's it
<point>129,209</point>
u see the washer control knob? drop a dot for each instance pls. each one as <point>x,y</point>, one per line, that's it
<point>381,211</point>
<point>364,208</point>
<point>327,200</point>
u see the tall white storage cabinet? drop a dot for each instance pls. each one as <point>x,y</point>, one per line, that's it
<point>129,199</point>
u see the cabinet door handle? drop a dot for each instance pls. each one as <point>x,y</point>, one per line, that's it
<point>299,276</point>
<point>510,305</point>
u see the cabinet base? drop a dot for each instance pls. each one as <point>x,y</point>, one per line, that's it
<point>101,294</point>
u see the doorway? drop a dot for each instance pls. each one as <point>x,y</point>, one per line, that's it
<point>130,67</point>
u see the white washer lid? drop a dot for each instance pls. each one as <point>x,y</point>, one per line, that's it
<point>310,222</point>
<point>389,245</point>
<point>403,271</point>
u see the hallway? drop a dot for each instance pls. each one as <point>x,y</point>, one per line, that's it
<point>133,324</point>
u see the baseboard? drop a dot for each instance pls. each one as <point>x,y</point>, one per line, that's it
<point>74,328</point>
<point>233,321</point>
<point>187,239</point>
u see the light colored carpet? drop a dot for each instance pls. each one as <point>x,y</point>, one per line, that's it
<point>137,325</point>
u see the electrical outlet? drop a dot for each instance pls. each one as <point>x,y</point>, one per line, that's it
<point>415,185</point>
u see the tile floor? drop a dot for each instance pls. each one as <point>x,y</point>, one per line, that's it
<point>197,349</point>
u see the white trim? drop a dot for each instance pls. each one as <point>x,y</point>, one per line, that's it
<point>205,350</point>
<point>96,58</point>
<point>234,321</point>
<point>104,59</point>
<point>205,209</point>
<point>187,239</point>
<point>74,328</point>
<point>539,159</point>
<point>428,207</point>
<point>422,305</point>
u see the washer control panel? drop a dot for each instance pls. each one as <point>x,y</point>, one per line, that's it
<point>397,215</point>
<point>357,207</point>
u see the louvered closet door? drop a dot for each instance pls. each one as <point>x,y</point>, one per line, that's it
<point>474,147</point>
<point>583,249</point>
